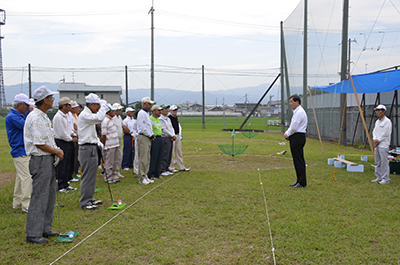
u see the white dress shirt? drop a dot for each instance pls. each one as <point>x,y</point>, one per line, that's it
<point>130,123</point>
<point>298,124</point>
<point>61,127</point>
<point>86,125</point>
<point>382,132</point>
<point>71,120</point>
<point>144,123</point>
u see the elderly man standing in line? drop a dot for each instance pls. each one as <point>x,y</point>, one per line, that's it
<point>40,145</point>
<point>65,141</point>
<point>129,140</point>
<point>381,136</point>
<point>144,139</point>
<point>156,144</point>
<point>168,138</point>
<point>118,122</point>
<point>92,114</point>
<point>177,145</point>
<point>296,134</point>
<point>109,137</point>
<point>75,110</point>
<point>15,122</point>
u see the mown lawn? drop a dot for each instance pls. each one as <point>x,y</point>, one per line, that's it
<point>216,213</point>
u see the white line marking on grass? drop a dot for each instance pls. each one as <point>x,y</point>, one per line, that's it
<point>114,217</point>
<point>266,210</point>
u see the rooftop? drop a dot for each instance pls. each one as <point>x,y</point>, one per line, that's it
<point>83,87</point>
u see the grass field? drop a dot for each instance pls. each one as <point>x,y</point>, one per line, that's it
<point>217,212</point>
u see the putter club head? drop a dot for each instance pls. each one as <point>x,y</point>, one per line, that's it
<point>114,205</point>
<point>62,235</point>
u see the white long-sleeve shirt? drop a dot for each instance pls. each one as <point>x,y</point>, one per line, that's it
<point>87,125</point>
<point>299,121</point>
<point>166,126</point>
<point>144,124</point>
<point>61,127</point>
<point>382,132</point>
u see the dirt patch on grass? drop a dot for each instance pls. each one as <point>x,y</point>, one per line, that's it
<point>239,163</point>
<point>6,178</point>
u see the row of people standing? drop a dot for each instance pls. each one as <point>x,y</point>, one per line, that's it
<point>155,142</point>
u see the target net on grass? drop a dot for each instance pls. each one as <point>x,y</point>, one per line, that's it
<point>249,134</point>
<point>232,150</point>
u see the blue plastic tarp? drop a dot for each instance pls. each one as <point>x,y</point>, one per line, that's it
<point>367,83</point>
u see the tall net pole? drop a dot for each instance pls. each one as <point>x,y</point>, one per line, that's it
<point>2,90</point>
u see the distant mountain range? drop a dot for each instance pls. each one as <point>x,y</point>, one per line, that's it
<point>171,96</point>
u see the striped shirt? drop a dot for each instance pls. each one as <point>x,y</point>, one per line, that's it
<point>37,131</point>
<point>109,129</point>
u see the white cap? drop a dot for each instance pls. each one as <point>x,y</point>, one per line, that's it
<point>92,98</point>
<point>154,107</point>
<point>380,107</point>
<point>74,104</point>
<point>128,109</point>
<point>117,106</point>
<point>173,107</point>
<point>41,93</point>
<point>110,107</point>
<point>147,100</point>
<point>23,98</point>
<point>64,100</point>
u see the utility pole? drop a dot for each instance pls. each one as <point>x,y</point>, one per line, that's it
<point>343,70</point>
<point>305,55</point>
<point>152,51</point>
<point>30,80</point>
<point>2,89</point>
<point>126,86</point>
<point>204,97</point>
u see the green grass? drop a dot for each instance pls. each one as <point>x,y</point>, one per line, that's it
<point>215,214</point>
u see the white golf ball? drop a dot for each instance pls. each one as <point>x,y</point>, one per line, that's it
<point>71,236</point>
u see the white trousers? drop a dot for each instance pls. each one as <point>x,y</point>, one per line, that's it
<point>382,163</point>
<point>177,153</point>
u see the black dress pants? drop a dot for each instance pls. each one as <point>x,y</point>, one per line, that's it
<point>297,142</point>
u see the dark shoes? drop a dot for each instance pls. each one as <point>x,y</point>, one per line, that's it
<point>50,234</point>
<point>36,240</point>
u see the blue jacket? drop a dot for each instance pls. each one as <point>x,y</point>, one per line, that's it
<point>15,122</point>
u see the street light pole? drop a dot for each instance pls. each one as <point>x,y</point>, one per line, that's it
<point>152,51</point>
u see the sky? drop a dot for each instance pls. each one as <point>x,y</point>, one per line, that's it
<point>242,36</point>
<point>238,42</point>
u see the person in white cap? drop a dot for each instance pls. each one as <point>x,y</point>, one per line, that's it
<point>168,138</point>
<point>129,139</point>
<point>177,145</point>
<point>15,122</point>
<point>110,139</point>
<point>119,124</point>
<point>41,147</point>
<point>65,141</point>
<point>381,136</point>
<point>75,110</point>
<point>145,131</point>
<point>92,114</point>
